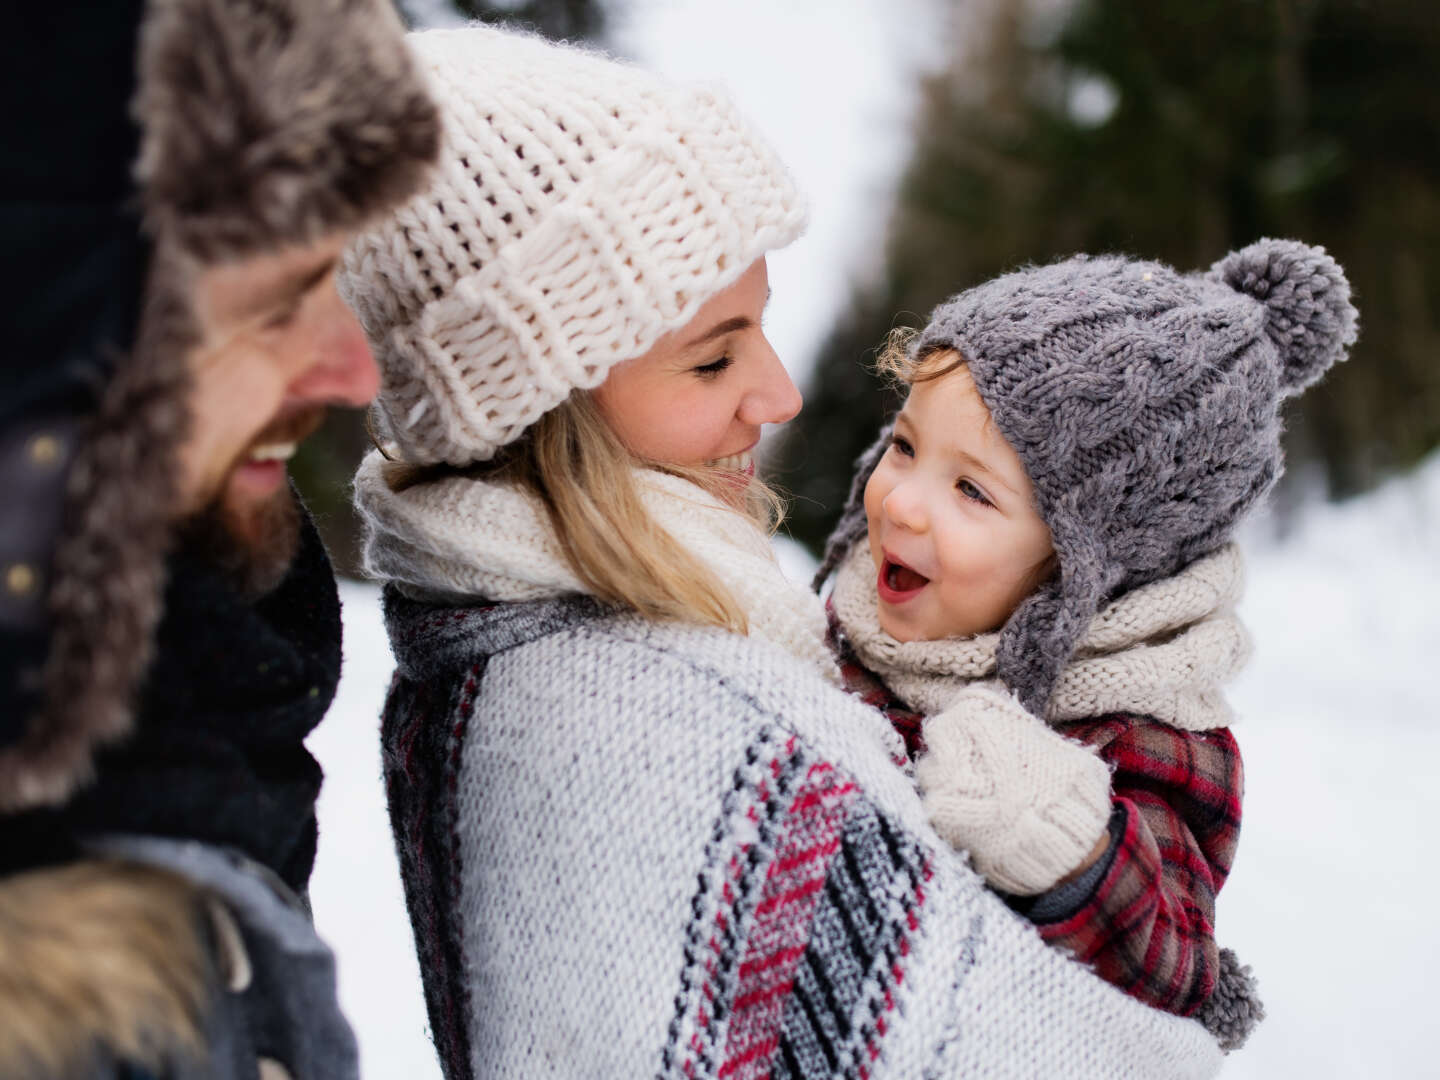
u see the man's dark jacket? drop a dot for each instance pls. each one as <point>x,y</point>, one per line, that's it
<point>157,825</point>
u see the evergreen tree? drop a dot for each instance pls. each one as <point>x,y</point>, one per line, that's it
<point>559,20</point>
<point>1175,130</point>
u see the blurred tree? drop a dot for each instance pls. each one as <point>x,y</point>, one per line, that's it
<point>1176,130</point>
<point>559,20</point>
<point>326,462</point>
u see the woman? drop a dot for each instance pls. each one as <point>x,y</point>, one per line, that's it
<point>641,829</point>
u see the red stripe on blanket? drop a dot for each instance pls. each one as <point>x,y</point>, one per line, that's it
<point>807,839</point>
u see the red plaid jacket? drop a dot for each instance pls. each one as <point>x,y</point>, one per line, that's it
<point>1143,917</point>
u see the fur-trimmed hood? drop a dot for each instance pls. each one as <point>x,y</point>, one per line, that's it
<point>181,960</point>
<point>221,129</point>
<point>100,961</point>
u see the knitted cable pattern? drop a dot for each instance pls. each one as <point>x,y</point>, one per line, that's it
<point>1024,801</point>
<point>582,209</point>
<point>1144,405</point>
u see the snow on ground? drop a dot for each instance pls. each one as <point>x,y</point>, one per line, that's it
<point>1340,728</point>
<point>355,892</point>
<point>1329,900</point>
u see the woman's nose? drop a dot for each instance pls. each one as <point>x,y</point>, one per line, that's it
<point>773,398</point>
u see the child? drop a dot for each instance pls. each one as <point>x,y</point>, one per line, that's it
<point>1045,602</point>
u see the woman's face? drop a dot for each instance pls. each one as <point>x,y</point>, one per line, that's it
<point>701,394</point>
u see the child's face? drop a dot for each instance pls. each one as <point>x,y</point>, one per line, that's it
<point>701,394</point>
<point>954,533</point>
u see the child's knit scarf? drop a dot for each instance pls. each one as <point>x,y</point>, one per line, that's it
<point>462,537</point>
<point>1161,650</point>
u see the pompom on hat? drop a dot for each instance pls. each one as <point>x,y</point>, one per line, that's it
<point>1144,405</point>
<point>582,210</point>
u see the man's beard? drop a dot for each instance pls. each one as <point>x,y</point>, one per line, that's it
<point>253,546</point>
<point>253,543</point>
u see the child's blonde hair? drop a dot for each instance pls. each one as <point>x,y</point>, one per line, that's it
<point>905,366</point>
<point>572,460</point>
<point>902,365</point>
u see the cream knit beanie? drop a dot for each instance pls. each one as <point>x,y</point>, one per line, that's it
<point>581,210</point>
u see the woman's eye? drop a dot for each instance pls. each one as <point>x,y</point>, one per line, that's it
<point>970,491</point>
<point>715,367</point>
<point>902,445</point>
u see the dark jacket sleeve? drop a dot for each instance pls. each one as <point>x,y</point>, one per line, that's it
<point>76,263</point>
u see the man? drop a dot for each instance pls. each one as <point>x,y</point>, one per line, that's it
<point>169,629</point>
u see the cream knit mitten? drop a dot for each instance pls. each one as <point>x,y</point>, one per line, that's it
<point>1027,804</point>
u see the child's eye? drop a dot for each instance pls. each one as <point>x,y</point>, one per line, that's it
<point>715,367</point>
<point>900,443</point>
<point>970,491</point>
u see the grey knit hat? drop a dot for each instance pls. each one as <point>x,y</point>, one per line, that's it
<point>1144,405</point>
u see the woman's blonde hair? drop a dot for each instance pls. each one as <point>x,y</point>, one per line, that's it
<point>584,475</point>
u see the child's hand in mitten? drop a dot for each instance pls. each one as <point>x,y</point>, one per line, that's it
<point>1028,804</point>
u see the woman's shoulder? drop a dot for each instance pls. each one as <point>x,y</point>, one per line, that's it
<point>565,654</point>
<point>571,635</point>
<point>756,795</point>
<point>434,636</point>
<point>704,683</point>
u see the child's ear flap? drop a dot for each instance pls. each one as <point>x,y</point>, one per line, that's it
<point>1038,640</point>
<point>851,528</point>
<point>1032,650</point>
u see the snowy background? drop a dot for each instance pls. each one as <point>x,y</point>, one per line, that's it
<point>1330,897</point>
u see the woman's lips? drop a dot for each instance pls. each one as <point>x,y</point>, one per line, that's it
<point>743,462</point>
<point>897,583</point>
<point>733,475</point>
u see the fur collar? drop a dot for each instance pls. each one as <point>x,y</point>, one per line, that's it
<point>100,961</point>
<point>1161,650</point>
<point>108,567</point>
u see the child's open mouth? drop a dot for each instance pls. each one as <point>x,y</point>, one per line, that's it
<point>897,583</point>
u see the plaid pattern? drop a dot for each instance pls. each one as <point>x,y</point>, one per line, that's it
<point>1148,928</point>
<point>866,685</point>
<point>1148,925</point>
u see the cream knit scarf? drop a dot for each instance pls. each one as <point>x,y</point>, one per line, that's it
<point>466,537</point>
<point>1161,650</point>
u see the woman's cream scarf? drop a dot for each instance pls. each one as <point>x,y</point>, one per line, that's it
<point>462,537</point>
<point>1161,650</point>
